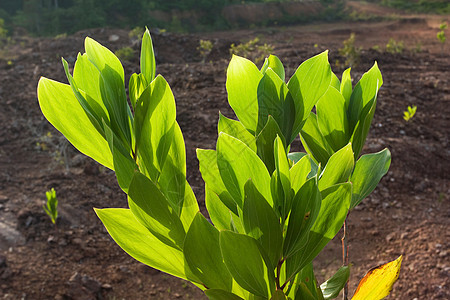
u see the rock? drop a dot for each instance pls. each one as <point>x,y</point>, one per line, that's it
<point>3,198</point>
<point>83,287</point>
<point>113,38</point>
<point>390,236</point>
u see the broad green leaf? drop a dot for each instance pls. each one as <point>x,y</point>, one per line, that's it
<point>346,87</point>
<point>278,295</point>
<point>264,143</point>
<point>247,265</point>
<point>242,82</point>
<point>154,120</point>
<point>136,87</point>
<point>332,119</point>
<point>221,216</point>
<point>362,128</point>
<point>237,163</point>
<point>283,177</point>
<point>62,110</point>
<point>378,282</point>
<point>299,173</point>
<point>112,87</point>
<point>369,170</point>
<point>274,99</point>
<point>261,223</point>
<point>148,64</point>
<point>303,293</point>
<point>308,84</point>
<point>275,64</point>
<point>338,169</point>
<point>237,130</point>
<point>202,252</point>
<point>296,156</point>
<point>314,142</point>
<point>363,93</point>
<point>173,183</point>
<point>335,81</point>
<point>305,209</point>
<point>211,175</point>
<point>124,164</point>
<point>333,286</point>
<point>308,280</point>
<point>216,294</point>
<point>333,211</point>
<point>152,210</point>
<point>87,78</point>
<point>139,243</point>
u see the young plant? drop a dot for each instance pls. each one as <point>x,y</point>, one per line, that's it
<point>252,50</point>
<point>272,211</point>
<point>394,47</point>
<point>408,114</point>
<point>351,53</point>
<point>51,206</point>
<point>441,35</point>
<point>205,49</point>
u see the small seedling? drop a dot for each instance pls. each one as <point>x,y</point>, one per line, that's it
<point>51,207</point>
<point>441,35</point>
<point>205,49</point>
<point>409,113</point>
<point>125,53</point>
<point>394,47</point>
<point>252,50</point>
<point>350,52</point>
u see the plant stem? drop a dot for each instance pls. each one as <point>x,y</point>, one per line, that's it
<point>345,257</point>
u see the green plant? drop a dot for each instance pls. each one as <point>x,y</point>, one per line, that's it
<point>272,211</point>
<point>408,114</point>
<point>394,47</point>
<point>441,34</point>
<point>252,50</point>
<point>51,206</point>
<point>136,33</point>
<point>125,53</point>
<point>205,49</point>
<point>3,31</point>
<point>351,53</point>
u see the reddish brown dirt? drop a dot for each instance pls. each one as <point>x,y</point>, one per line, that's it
<point>407,214</point>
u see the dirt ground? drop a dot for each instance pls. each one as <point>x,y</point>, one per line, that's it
<point>407,214</point>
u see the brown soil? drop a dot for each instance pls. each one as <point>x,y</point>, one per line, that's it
<point>407,214</point>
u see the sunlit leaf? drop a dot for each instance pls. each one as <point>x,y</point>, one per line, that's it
<point>333,286</point>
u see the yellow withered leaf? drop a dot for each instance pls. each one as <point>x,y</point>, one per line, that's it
<point>378,282</point>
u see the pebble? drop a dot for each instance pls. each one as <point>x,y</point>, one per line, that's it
<point>3,198</point>
<point>390,236</point>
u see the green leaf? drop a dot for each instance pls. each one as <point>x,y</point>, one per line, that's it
<point>237,163</point>
<point>148,64</point>
<point>261,223</point>
<point>296,156</point>
<point>112,87</point>
<point>275,100</point>
<point>62,110</point>
<point>314,142</point>
<point>299,173</point>
<point>369,170</point>
<point>332,119</point>
<point>236,130</point>
<point>136,87</point>
<point>172,180</point>
<point>333,211</point>
<point>124,165</point>
<point>333,286</point>
<point>283,177</point>
<point>139,243</point>
<point>346,87</point>
<point>216,294</point>
<point>303,293</point>
<point>362,128</point>
<point>202,253</point>
<point>152,210</point>
<point>278,295</point>
<point>264,143</point>
<point>305,209</point>
<point>308,281</point>
<point>242,82</point>
<point>338,169</point>
<point>211,175</point>
<point>221,216</point>
<point>275,64</point>
<point>365,90</point>
<point>247,266</point>
<point>154,119</point>
<point>335,83</point>
<point>308,84</point>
